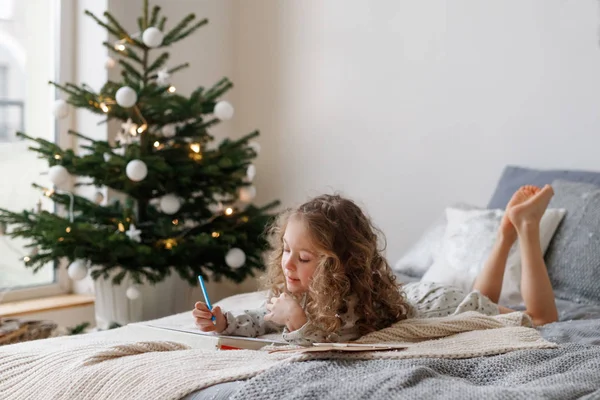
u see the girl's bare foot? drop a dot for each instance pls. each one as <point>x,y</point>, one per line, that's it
<point>523,194</point>
<point>530,211</point>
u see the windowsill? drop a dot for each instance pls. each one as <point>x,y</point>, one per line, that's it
<point>52,303</point>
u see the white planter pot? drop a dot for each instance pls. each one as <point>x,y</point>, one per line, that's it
<point>171,296</point>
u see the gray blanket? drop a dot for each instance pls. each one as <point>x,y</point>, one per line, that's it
<point>570,372</point>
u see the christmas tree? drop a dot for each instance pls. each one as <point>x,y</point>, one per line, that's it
<point>184,202</point>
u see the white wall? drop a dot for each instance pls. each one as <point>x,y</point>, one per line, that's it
<point>405,106</point>
<point>408,106</point>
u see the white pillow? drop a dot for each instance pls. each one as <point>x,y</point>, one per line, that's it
<point>467,242</point>
<point>419,257</point>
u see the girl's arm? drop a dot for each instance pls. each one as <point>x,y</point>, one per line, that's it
<point>308,334</point>
<point>249,323</point>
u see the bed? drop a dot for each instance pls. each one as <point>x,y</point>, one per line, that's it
<point>569,369</point>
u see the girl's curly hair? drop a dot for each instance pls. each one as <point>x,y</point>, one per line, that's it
<point>350,265</point>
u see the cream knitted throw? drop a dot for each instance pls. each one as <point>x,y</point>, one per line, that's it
<point>167,370</point>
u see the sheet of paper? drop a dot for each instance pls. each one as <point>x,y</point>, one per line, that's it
<point>271,338</point>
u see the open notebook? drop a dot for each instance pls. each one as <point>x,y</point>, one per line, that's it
<point>183,324</point>
<point>221,342</point>
<point>224,342</point>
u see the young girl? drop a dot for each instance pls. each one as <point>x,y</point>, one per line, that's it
<point>327,279</point>
<point>329,282</point>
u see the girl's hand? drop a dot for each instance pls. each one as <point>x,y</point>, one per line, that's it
<point>203,319</point>
<point>285,310</point>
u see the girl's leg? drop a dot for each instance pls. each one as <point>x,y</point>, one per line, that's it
<point>489,280</point>
<point>536,288</point>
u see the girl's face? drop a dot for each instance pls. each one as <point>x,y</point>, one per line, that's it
<point>299,259</point>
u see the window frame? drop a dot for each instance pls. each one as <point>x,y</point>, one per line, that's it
<point>64,37</point>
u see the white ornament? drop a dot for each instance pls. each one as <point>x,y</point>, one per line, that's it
<point>77,270</point>
<point>251,172</point>
<point>152,37</point>
<point>223,110</point>
<point>128,133</point>
<point>129,127</point>
<point>136,170</point>
<point>162,77</point>
<point>58,175</point>
<point>132,293</point>
<point>255,146</point>
<point>124,138</point>
<point>247,194</point>
<point>170,204</point>
<point>110,63</point>
<point>134,234</point>
<point>235,258</point>
<point>169,130</point>
<point>60,109</point>
<point>126,97</point>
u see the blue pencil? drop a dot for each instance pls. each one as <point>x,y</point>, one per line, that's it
<point>205,293</point>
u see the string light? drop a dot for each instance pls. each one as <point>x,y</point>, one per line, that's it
<point>49,193</point>
<point>142,128</point>
<point>26,259</point>
<point>228,211</point>
<point>60,239</point>
<point>157,144</point>
<point>195,147</point>
<point>104,107</point>
<point>57,157</point>
<point>175,221</point>
<point>68,230</point>
<point>172,89</point>
<point>121,227</point>
<point>119,46</point>
<point>170,243</point>
<point>216,234</point>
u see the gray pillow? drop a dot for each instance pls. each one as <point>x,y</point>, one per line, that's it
<point>514,177</point>
<point>419,257</point>
<point>573,258</point>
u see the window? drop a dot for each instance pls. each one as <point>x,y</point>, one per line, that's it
<point>30,56</point>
